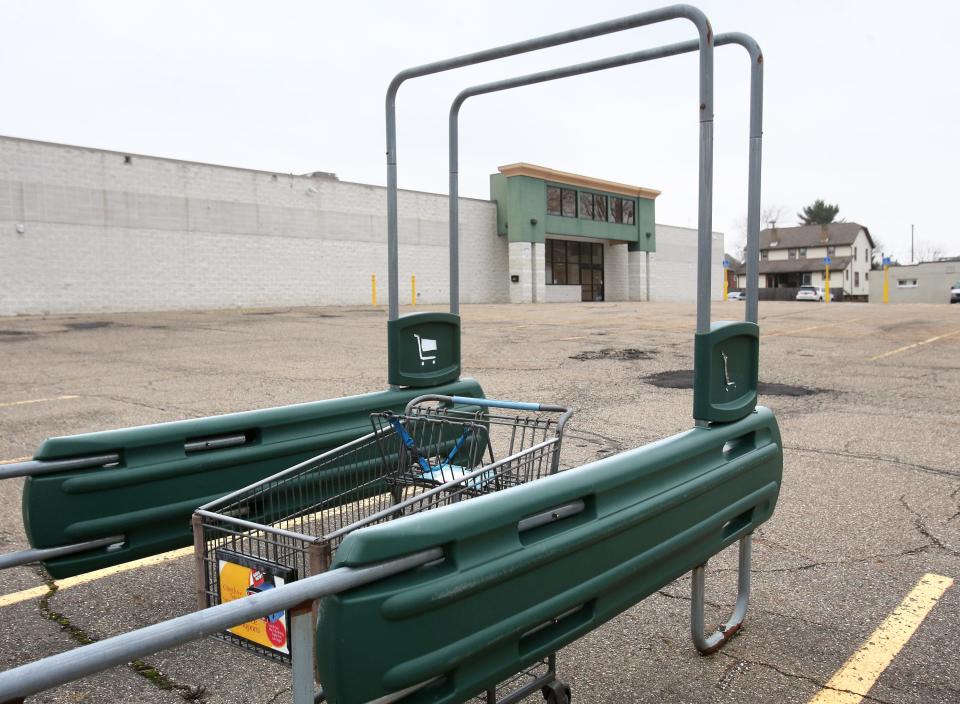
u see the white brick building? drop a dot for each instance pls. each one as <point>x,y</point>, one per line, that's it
<point>89,230</point>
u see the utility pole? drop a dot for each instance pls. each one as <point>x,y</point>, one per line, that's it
<point>911,243</point>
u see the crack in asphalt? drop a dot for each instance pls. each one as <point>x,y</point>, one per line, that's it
<point>878,458</point>
<point>777,669</point>
<point>736,669</point>
<point>276,696</point>
<point>759,537</point>
<point>837,563</point>
<point>131,402</point>
<point>608,446</point>
<point>805,678</point>
<point>139,666</point>
<point>925,531</point>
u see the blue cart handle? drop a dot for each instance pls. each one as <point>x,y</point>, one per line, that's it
<point>494,403</point>
<point>489,403</point>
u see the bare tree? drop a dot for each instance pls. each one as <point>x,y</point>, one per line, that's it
<point>772,214</point>
<point>927,252</point>
<point>769,214</point>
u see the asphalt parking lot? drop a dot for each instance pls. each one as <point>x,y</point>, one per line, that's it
<point>870,504</point>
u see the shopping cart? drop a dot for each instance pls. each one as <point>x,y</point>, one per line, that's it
<point>441,450</point>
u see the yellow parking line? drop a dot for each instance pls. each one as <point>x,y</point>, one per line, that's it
<point>851,683</point>
<point>37,592</point>
<point>8,404</point>
<point>812,327</point>
<point>915,344</point>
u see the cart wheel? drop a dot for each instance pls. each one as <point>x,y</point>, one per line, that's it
<point>557,693</point>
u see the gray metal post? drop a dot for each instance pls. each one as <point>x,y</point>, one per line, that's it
<point>716,640</point>
<point>617,25</point>
<point>302,654</point>
<point>454,199</point>
<point>753,192</point>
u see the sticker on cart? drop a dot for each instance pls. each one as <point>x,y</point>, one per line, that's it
<point>241,576</point>
<point>424,347</point>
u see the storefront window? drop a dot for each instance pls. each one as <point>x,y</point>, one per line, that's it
<point>553,200</point>
<point>586,205</point>
<point>616,210</point>
<point>576,263</point>
<point>570,203</point>
<point>600,207</point>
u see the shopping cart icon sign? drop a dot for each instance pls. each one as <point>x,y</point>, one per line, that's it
<point>425,344</point>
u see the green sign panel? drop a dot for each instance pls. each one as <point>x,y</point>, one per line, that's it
<point>423,349</point>
<point>726,363</point>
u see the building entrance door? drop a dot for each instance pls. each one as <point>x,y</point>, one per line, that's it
<point>591,272</point>
<point>572,263</point>
<point>591,281</point>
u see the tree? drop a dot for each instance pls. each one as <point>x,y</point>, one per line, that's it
<point>927,252</point>
<point>769,215</point>
<point>876,261</point>
<point>819,213</point>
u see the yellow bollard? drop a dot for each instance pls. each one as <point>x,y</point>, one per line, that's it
<point>413,289</point>
<point>373,289</point>
<point>725,284</point>
<point>826,294</point>
<point>886,284</point>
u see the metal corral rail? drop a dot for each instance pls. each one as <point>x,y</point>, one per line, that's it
<point>74,486</point>
<point>41,675</point>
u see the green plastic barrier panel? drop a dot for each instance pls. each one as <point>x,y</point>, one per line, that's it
<point>423,349</point>
<point>725,371</point>
<point>529,570</point>
<point>165,471</point>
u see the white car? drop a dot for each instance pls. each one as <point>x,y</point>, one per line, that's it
<point>810,293</point>
<point>736,296</point>
<point>955,293</point>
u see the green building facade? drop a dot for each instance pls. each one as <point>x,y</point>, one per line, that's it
<point>572,237</point>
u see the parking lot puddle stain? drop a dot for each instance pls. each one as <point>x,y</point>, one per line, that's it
<point>851,683</point>
<point>683,379</point>
<point>630,353</point>
<point>90,325</point>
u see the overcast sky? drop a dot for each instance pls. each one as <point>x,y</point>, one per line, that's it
<point>861,98</point>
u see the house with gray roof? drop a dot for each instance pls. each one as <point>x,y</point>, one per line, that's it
<point>791,257</point>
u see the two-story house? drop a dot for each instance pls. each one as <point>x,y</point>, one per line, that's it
<point>795,256</point>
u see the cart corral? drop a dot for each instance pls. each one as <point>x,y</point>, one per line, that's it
<point>724,480</point>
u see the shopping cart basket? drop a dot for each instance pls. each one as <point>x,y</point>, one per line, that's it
<point>442,449</point>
